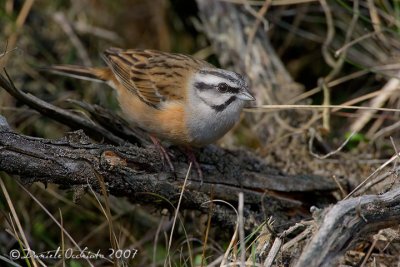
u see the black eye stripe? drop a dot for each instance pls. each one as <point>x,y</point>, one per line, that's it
<point>232,90</point>
<point>204,86</point>
<point>225,88</point>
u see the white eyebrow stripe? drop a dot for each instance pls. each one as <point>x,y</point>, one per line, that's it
<point>215,80</point>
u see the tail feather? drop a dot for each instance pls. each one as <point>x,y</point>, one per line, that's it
<point>80,72</point>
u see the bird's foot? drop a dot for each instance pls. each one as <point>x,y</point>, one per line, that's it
<point>192,158</point>
<point>163,152</point>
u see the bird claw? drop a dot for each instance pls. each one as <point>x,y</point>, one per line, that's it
<point>192,158</point>
<point>164,154</point>
<point>166,158</point>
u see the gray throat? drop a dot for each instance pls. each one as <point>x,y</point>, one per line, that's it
<point>208,123</point>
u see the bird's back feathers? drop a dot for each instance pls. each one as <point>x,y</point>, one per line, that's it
<point>154,76</point>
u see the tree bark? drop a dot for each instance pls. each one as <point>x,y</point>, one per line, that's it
<point>138,173</point>
<point>343,224</point>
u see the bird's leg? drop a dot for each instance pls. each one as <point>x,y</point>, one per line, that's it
<point>192,158</point>
<point>163,152</point>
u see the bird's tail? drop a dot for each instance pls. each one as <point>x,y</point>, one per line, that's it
<point>80,72</point>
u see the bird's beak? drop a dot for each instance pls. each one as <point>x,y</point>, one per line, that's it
<point>245,95</point>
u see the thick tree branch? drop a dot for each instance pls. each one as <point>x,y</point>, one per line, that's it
<point>138,173</point>
<point>344,223</point>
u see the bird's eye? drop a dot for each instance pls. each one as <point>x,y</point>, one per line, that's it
<point>223,87</point>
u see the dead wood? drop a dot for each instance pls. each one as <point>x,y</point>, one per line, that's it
<point>343,224</point>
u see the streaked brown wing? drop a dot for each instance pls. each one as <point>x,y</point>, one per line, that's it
<point>153,75</point>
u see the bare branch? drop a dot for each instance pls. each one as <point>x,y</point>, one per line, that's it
<point>347,221</point>
<point>138,173</point>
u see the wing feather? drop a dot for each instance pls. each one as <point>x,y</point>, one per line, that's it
<point>152,75</point>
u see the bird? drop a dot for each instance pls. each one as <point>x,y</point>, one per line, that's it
<point>173,97</point>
